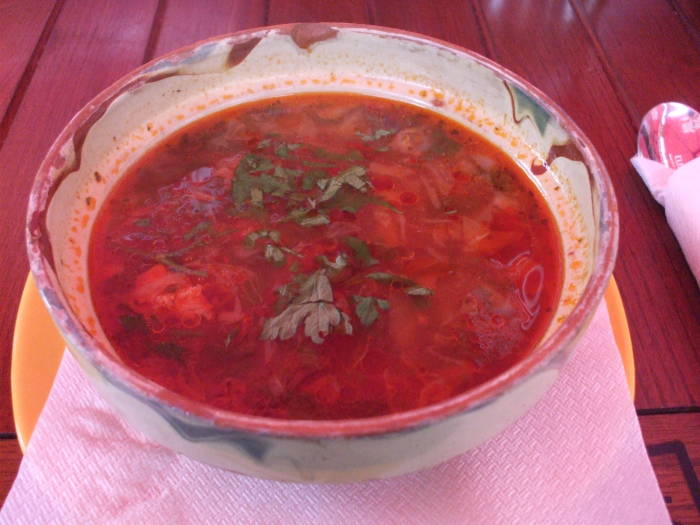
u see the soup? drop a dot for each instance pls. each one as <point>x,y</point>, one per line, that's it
<point>324,256</point>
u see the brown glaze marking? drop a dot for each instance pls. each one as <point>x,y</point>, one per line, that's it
<point>305,35</point>
<point>81,132</point>
<point>37,223</point>
<point>568,150</point>
<point>240,51</point>
<point>512,104</point>
<point>147,80</point>
<point>40,233</point>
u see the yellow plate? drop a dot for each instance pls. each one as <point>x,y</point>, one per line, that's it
<point>37,348</point>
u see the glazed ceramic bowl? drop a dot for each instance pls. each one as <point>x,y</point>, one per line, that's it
<point>123,122</point>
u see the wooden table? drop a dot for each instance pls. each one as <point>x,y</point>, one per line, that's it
<point>605,62</point>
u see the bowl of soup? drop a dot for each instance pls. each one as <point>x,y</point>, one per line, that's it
<point>321,253</point>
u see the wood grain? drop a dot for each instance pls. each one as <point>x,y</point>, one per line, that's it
<point>285,12</point>
<point>92,44</point>
<point>10,457</point>
<point>445,19</point>
<point>689,13</point>
<point>648,67</point>
<point>184,22</point>
<point>632,35</point>
<point>650,269</point>
<point>673,441</point>
<point>21,26</point>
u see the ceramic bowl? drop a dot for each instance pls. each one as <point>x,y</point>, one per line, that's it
<point>124,121</point>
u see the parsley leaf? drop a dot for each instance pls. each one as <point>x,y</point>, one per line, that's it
<point>366,308</point>
<point>361,250</point>
<point>376,135</point>
<point>200,227</point>
<point>274,254</point>
<point>316,220</point>
<point>133,322</point>
<point>314,305</point>
<point>282,149</point>
<point>354,176</point>
<point>409,287</point>
<point>418,290</point>
<point>244,182</point>
<point>390,278</point>
<point>169,349</point>
<point>339,263</point>
<point>256,197</point>
<point>177,267</point>
<point>250,239</point>
<point>253,163</point>
<point>311,177</point>
<point>442,144</point>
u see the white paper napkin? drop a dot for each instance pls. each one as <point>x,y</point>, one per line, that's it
<point>678,191</point>
<point>576,458</point>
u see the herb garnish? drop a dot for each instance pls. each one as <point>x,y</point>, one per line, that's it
<point>354,176</point>
<point>169,350</point>
<point>166,259</point>
<point>250,239</point>
<point>361,250</point>
<point>337,265</point>
<point>282,149</point>
<point>366,308</point>
<point>316,220</point>
<point>442,144</point>
<point>409,286</point>
<point>247,186</point>
<point>132,322</point>
<point>378,134</point>
<point>313,305</point>
<point>200,227</point>
<point>273,251</point>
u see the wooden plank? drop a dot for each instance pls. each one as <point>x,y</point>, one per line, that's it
<point>673,441</point>
<point>651,269</point>
<point>646,40</point>
<point>285,12</point>
<point>21,26</point>
<point>184,22</point>
<point>92,45</point>
<point>10,457</point>
<point>689,13</point>
<point>445,19</point>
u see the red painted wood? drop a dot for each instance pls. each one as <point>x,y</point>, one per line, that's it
<point>689,12</point>
<point>445,19</point>
<point>634,36</point>
<point>674,444</point>
<point>184,22</point>
<point>285,11</point>
<point>10,456</point>
<point>92,44</point>
<point>21,26</point>
<point>658,289</point>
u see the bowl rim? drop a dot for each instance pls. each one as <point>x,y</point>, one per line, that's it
<point>161,399</point>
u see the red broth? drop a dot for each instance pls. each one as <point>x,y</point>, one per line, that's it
<point>324,256</point>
